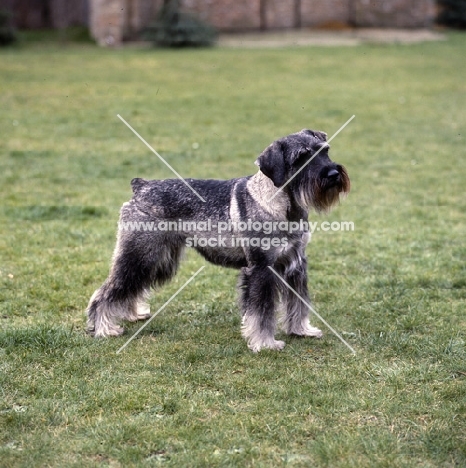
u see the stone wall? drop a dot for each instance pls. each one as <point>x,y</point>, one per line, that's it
<point>107,21</point>
<point>394,13</point>
<point>226,15</point>
<point>244,15</point>
<point>278,14</point>
<point>112,21</point>
<point>55,14</point>
<point>324,12</point>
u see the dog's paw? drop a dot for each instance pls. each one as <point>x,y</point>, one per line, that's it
<point>306,329</point>
<point>277,344</point>
<point>269,344</point>
<point>116,331</point>
<point>144,316</point>
<point>311,331</point>
<point>104,332</point>
<point>143,312</point>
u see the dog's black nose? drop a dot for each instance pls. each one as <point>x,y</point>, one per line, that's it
<point>333,174</point>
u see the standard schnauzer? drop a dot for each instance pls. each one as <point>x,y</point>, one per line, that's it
<point>147,254</point>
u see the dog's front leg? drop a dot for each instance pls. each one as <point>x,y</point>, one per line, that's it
<point>258,295</point>
<point>296,318</point>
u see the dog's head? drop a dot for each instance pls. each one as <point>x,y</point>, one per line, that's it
<point>301,165</point>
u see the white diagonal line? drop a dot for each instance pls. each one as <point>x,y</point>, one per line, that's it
<point>307,162</point>
<point>158,155</point>
<point>313,311</point>
<point>160,310</point>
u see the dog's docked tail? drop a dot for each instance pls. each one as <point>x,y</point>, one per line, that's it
<point>137,184</point>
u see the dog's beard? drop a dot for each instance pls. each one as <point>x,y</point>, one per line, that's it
<point>322,193</point>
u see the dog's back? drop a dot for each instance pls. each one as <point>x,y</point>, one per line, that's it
<point>174,199</point>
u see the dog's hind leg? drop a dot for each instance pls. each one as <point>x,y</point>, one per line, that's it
<point>140,261</point>
<point>117,299</point>
<point>258,296</point>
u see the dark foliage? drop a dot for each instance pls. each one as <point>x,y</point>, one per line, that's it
<point>452,13</point>
<point>174,28</point>
<point>7,32</point>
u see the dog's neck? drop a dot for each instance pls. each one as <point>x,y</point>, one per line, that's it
<point>262,189</point>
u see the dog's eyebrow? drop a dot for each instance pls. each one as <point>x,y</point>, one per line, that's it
<point>321,144</point>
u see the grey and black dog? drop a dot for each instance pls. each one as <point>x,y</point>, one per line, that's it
<point>147,253</point>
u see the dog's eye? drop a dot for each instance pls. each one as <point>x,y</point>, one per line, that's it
<point>303,155</point>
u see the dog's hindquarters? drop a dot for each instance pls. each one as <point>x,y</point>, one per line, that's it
<point>142,259</point>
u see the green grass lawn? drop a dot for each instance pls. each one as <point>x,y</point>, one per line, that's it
<point>187,391</point>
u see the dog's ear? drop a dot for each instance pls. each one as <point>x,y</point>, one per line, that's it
<point>272,163</point>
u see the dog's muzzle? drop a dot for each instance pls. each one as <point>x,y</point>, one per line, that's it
<point>333,175</point>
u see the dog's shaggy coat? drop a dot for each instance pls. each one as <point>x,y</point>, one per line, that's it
<point>144,259</point>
